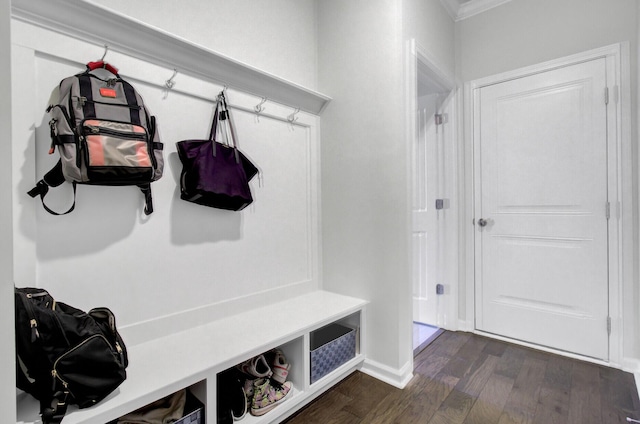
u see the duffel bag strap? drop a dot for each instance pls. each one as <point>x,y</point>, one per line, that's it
<point>53,178</point>
<point>54,412</point>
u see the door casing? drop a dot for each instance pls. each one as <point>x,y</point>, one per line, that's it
<point>619,188</point>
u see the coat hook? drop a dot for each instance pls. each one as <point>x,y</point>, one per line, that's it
<point>106,49</point>
<point>170,82</point>
<point>259,108</point>
<point>293,118</point>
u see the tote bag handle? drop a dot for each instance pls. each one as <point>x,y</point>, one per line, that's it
<point>222,111</point>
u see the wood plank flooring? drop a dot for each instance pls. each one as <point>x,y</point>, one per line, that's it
<point>465,378</point>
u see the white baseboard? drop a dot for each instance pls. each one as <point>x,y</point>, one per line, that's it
<point>631,365</point>
<point>636,375</point>
<point>466,326</point>
<point>396,377</point>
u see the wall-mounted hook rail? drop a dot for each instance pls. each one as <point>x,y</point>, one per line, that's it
<point>259,107</point>
<point>77,19</point>
<point>170,82</point>
<point>293,118</point>
<point>106,49</point>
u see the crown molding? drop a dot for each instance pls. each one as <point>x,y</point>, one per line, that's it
<point>458,11</point>
<point>475,7</point>
<point>451,6</point>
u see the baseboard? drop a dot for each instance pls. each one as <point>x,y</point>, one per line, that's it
<point>636,375</point>
<point>396,377</point>
<point>466,326</point>
<point>631,365</point>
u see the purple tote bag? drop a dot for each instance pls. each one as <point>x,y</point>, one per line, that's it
<point>216,174</point>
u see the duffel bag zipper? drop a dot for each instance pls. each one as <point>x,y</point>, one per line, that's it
<point>113,328</point>
<point>120,353</point>
<point>33,323</point>
<point>55,375</point>
<point>110,318</point>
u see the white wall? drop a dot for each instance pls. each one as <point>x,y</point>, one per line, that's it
<point>365,157</point>
<point>277,36</point>
<point>526,32</point>
<point>7,367</point>
<point>365,208</point>
<point>433,29</point>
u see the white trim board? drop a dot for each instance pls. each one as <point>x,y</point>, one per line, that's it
<point>621,239</point>
<point>637,380</point>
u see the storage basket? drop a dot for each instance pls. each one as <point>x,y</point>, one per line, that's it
<point>331,346</point>
<point>194,411</point>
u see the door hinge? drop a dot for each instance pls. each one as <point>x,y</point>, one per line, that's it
<point>608,210</point>
<point>606,95</point>
<point>609,325</point>
<point>441,118</point>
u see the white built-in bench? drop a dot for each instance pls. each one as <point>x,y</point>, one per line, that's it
<point>192,358</point>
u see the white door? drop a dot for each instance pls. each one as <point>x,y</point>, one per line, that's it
<point>428,222</point>
<point>541,194</point>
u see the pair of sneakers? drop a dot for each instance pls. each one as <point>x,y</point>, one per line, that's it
<point>272,364</point>
<point>266,386</point>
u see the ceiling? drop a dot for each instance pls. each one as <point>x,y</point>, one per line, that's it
<point>462,9</point>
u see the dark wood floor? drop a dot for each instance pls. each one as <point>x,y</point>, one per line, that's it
<point>464,378</point>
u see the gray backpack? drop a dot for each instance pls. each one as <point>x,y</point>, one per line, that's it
<point>104,135</point>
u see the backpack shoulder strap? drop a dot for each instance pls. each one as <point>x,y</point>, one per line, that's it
<point>148,200</point>
<point>53,178</point>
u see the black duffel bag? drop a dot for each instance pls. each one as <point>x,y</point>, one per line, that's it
<point>64,355</point>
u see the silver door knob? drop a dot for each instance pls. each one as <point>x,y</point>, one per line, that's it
<point>482,222</point>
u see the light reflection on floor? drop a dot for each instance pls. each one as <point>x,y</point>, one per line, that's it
<point>423,334</point>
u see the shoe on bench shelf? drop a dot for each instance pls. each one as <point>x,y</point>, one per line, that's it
<point>267,396</point>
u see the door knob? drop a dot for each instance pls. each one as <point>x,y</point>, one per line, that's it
<point>482,222</point>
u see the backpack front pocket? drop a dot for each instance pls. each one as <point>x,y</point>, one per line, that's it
<point>117,152</point>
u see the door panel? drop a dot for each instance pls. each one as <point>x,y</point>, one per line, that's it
<point>425,228</point>
<point>541,272</point>
<point>428,231</point>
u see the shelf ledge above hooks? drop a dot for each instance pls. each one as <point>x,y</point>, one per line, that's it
<point>102,26</point>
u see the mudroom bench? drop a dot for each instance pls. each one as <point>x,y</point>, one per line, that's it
<point>192,358</point>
